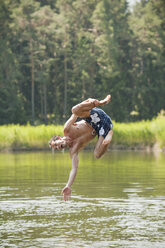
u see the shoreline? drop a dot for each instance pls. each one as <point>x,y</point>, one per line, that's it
<point>113,147</point>
<point>144,135</point>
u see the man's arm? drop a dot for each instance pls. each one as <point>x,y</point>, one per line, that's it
<point>70,122</point>
<point>67,189</point>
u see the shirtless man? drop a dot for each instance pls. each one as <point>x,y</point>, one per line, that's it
<point>78,134</point>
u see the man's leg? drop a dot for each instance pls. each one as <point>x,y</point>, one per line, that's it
<point>102,144</point>
<point>83,109</point>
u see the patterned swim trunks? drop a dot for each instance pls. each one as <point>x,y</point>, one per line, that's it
<point>100,121</point>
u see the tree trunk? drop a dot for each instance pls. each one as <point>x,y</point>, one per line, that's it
<point>65,84</point>
<point>42,105</point>
<point>32,78</point>
<point>45,103</point>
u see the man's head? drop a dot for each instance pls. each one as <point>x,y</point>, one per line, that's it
<point>57,142</point>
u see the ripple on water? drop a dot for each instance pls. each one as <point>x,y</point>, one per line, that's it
<point>86,222</point>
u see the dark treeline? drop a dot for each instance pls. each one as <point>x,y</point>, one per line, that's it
<point>55,53</point>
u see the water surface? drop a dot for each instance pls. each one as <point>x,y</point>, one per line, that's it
<point>117,201</point>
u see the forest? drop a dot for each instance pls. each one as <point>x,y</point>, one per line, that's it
<point>56,53</point>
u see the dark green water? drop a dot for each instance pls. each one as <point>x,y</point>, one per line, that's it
<point>117,201</point>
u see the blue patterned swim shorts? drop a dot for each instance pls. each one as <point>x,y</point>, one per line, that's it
<point>100,121</point>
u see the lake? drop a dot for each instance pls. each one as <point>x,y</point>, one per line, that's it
<point>117,201</point>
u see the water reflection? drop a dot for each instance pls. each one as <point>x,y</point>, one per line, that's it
<point>118,201</point>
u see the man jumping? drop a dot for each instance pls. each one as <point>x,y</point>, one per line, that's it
<point>78,134</point>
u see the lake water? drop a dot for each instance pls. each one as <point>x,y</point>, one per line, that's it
<point>117,201</point>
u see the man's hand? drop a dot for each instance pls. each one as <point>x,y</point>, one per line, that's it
<point>66,193</point>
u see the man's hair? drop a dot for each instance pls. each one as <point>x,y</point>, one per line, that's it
<point>54,138</point>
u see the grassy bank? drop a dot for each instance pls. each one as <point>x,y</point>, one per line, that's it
<point>14,137</point>
<point>144,134</point>
<point>140,135</point>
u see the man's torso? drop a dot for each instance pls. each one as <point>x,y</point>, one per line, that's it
<point>81,133</point>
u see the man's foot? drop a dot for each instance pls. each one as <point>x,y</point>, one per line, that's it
<point>105,100</point>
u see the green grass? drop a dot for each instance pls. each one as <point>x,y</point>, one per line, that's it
<point>140,134</point>
<point>27,137</point>
<point>126,135</point>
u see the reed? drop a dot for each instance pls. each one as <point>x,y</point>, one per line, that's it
<point>27,137</point>
<point>158,126</point>
<point>126,135</point>
<point>140,134</point>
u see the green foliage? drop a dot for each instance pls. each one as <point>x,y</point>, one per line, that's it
<point>148,58</point>
<point>56,53</point>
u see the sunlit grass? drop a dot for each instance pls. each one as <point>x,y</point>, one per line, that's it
<point>27,137</point>
<point>158,127</point>
<point>140,134</point>
<point>133,135</point>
